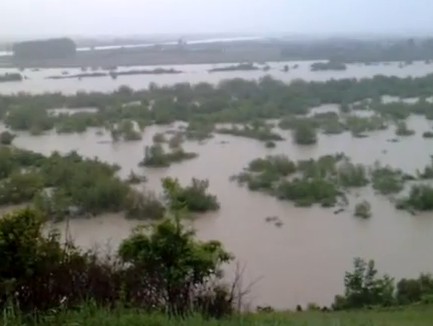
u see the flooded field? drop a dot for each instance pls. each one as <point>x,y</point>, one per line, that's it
<point>36,81</point>
<point>302,261</point>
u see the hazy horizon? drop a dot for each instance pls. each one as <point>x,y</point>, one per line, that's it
<point>90,18</point>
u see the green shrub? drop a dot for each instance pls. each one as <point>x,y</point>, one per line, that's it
<point>304,134</point>
<point>364,288</point>
<point>402,130</point>
<point>193,197</point>
<point>420,198</point>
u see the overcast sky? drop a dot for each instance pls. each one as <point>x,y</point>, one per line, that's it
<point>126,17</point>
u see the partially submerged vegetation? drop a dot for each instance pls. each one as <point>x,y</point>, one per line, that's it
<point>60,185</point>
<point>304,134</point>
<point>363,209</point>
<point>155,156</point>
<point>403,130</point>
<point>420,199</point>
<point>305,183</point>
<point>238,67</point>
<point>194,198</point>
<point>387,180</point>
<point>326,181</point>
<point>330,65</point>
<point>247,103</point>
<point>262,133</point>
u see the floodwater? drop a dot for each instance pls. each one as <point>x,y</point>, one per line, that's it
<point>305,259</point>
<point>36,81</point>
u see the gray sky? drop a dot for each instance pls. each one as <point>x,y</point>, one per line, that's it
<point>126,17</point>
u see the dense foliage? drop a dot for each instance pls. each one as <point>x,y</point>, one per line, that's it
<point>420,198</point>
<point>156,156</point>
<point>387,180</point>
<point>194,197</point>
<point>61,185</point>
<point>164,269</point>
<point>304,134</point>
<point>233,101</point>
<point>314,181</point>
<point>363,287</point>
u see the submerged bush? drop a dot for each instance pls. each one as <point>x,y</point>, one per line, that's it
<point>255,132</point>
<point>403,130</point>
<point>308,192</point>
<point>144,206</point>
<point>193,197</point>
<point>387,180</point>
<point>351,175</point>
<point>363,209</point>
<point>155,156</point>
<point>304,134</point>
<point>420,198</point>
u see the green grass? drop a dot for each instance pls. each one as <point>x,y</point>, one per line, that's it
<point>407,316</point>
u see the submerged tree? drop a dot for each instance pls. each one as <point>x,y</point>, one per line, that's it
<point>305,134</point>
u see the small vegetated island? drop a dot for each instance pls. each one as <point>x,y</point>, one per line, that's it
<point>325,181</point>
<point>155,156</point>
<point>256,130</point>
<point>330,65</point>
<point>115,74</point>
<point>238,67</point>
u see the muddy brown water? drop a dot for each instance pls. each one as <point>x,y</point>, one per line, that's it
<point>300,262</point>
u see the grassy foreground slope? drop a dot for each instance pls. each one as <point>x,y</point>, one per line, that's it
<point>407,316</point>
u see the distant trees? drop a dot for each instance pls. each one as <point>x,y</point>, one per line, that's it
<point>44,49</point>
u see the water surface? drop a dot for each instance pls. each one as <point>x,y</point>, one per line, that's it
<point>36,81</point>
<point>304,260</point>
